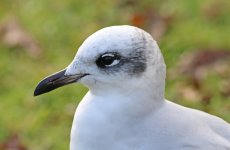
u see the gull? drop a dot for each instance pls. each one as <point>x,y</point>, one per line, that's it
<point>125,107</point>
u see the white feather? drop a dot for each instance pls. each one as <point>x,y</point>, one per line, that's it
<point>128,112</point>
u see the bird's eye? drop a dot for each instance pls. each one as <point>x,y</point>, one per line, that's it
<point>107,60</point>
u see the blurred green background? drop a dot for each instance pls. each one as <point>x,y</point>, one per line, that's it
<point>38,38</point>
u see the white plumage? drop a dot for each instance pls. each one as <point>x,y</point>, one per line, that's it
<point>125,108</point>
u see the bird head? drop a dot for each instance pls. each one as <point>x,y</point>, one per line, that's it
<point>114,58</point>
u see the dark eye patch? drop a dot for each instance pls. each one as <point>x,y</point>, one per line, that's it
<point>132,64</point>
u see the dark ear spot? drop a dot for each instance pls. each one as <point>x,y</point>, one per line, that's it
<point>136,63</point>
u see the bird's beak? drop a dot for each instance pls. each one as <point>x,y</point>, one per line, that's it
<point>56,80</point>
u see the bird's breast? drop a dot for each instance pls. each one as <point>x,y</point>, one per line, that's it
<point>98,125</point>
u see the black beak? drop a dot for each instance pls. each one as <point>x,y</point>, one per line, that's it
<point>56,80</point>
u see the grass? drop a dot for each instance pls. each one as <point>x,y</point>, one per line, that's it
<point>43,123</point>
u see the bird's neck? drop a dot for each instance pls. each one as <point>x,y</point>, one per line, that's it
<point>135,95</point>
<point>135,102</point>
